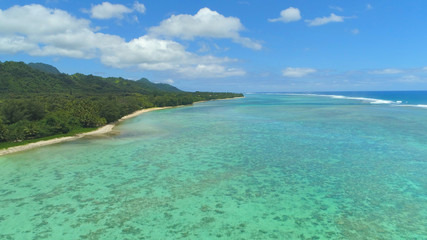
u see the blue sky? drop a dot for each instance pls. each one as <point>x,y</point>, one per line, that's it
<point>224,45</point>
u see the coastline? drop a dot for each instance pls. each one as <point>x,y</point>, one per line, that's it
<point>100,131</point>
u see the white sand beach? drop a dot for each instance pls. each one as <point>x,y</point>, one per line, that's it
<point>102,130</point>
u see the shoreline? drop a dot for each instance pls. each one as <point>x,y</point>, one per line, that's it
<point>100,131</point>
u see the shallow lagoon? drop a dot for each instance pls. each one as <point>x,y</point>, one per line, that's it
<point>263,167</point>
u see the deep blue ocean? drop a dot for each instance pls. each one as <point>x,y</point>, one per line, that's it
<point>341,165</point>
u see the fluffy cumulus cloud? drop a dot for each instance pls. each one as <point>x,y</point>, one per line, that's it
<point>41,31</point>
<point>205,23</point>
<point>297,72</point>
<point>325,20</point>
<point>13,44</point>
<point>288,15</point>
<point>107,10</point>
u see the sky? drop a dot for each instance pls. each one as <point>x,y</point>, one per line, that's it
<point>226,45</point>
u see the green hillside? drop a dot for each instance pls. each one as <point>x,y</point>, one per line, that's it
<point>20,78</point>
<point>44,68</point>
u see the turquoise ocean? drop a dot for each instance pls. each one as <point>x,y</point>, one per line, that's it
<point>267,166</point>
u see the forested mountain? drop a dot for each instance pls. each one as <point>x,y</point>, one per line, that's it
<point>20,78</point>
<point>145,83</point>
<point>44,68</point>
<point>36,100</point>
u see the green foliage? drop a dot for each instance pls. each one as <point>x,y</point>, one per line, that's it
<point>4,132</point>
<point>35,110</point>
<point>37,103</point>
<point>13,111</point>
<point>59,122</point>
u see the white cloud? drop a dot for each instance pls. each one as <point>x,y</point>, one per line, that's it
<point>369,7</point>
<point>37,20</point>
<point>424,68</point>
<point>205,23</point>
<point>355,31</point>
<point>325,20</point>
<point>247,42</point>
<point>107,10</point>
<point>211,71</point>
<point>14,44</point>
<point>410,79</point>
<point>204,48</point>
<point>139,7</point>
<point>340,9</point>
<point>168,81</point>
<point>288,15</point>
<point>387,71</point>
<point>147,53</point>
<point>297,72</point>
<point>40,31</point>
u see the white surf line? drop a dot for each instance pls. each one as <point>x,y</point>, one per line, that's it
<point>370,100</point>
<point>413,105</point>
